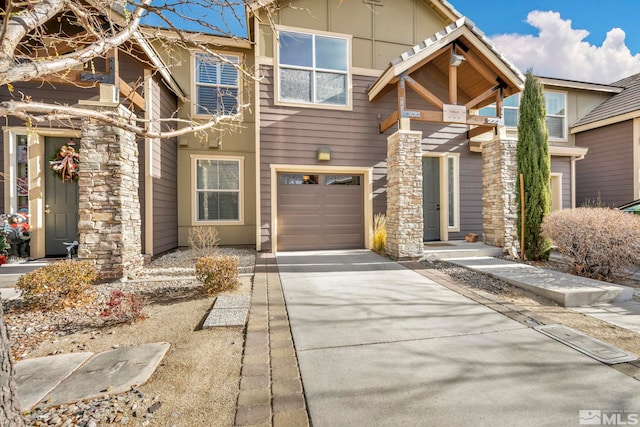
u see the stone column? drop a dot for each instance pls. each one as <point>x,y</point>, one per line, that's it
<point>109,207</point>
<point>499,206</point>
<point>404,195</point>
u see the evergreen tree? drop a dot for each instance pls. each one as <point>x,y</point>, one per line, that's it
<point>534,163</point>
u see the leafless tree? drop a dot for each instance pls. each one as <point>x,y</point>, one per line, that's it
<point>49,41</point>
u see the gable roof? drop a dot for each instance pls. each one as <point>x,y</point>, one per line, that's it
<point>461,27</point>
<point>621,105</point>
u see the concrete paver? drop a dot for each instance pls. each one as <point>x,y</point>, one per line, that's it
<point>460,365</point>
<point>624,314</point>
<point>37,377</point>
<point>110,372</point>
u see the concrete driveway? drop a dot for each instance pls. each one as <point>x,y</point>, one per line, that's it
<point>379,344</point>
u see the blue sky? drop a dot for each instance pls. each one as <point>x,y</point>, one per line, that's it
<point>571,43</point>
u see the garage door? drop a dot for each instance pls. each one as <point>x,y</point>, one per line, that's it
<point>320,211</point>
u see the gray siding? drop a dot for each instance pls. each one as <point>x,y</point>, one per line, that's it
<point>165,181</point>
<point>607,169</point>
<point>291,135</point>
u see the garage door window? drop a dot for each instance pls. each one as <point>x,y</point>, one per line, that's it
<point>298,179</point>
<point>218,189</point>
<point>342,180</point>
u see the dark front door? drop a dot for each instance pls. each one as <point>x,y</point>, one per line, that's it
<point>431,197</point>
<point>61,205</point>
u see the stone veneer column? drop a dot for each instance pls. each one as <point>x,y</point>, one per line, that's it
<point>404,195</point>
<point>109,207</point>
<point>499,206</point>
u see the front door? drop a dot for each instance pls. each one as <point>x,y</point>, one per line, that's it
<point>431,198</point>
<point>61,205</point>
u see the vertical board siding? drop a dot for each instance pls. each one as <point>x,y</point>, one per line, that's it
<point>606,172</point>
<point>292,135</point>
<point>165,181</point>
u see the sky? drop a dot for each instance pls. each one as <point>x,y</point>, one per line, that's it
<point>585,40</point>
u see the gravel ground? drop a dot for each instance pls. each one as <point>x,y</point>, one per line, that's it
<point>174,306</point>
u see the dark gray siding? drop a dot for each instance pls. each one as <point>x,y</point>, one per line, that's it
<point>563,165</point>
<point>291,135</point>
<point>607,169</point>
<point>165,181</point>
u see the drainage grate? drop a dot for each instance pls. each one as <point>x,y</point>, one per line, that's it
<point>590,346</point>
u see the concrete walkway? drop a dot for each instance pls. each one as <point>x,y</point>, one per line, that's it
<point>379,344</point>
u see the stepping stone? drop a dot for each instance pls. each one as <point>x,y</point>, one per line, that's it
<point>232,301</point>
<point>110,372</point>
<point>226,317</point>
<point>36,377</point>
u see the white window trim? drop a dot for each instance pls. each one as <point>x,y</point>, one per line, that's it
<point>195,84</point>
<point>276,70</point>
<point>194,191</point>
<point>565,127</point>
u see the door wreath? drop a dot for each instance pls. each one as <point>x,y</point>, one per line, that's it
<point>65,163</point>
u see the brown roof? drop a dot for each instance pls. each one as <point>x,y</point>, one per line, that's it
<point>624,102</point>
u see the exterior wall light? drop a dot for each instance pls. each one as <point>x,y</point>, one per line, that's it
<point>324,154</point>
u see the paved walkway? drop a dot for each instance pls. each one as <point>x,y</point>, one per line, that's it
<point>379,344</point>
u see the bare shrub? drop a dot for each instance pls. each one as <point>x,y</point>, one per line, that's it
<point>217,273</point>
<point>379,233</point>
<point>204,240</point>
<point>123,307</point>
<point>58,285</point>
<point>601,243</point>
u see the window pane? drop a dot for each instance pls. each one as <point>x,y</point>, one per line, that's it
<point>331,53</point>
<point>207,174</point>
<point>229,175</point>
<point>555,103</point>
<point>297,179</point>
<point>213,100</point>
<point>228,101</point>
<point>296,49</point>
<point>555,126</point>
<point>342,180</point>
<point>295,85</point>
<point>206,69</point>
<point>228,74</point>
<point>489,111</point>
<point>511,117</point>
<point>331,88</point>
<point>451,180</point>
<point>512,101</point>
<point>214,206</point>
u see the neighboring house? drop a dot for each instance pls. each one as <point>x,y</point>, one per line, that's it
<point>53,205</point>
<point>610,174</point>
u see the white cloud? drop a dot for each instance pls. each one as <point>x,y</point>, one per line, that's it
<point>560,51</point>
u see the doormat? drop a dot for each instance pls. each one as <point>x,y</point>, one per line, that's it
<point>435,245</point>
<point>590,346</point>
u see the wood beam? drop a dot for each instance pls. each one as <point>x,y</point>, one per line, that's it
<point>389,121</point>
<point>424,93</point>
<point>480,66</point>
<point>129,93</point>
<point>68,78</point>
<point>479,130</point>
<point>453,85</point>
<point>485,95</point>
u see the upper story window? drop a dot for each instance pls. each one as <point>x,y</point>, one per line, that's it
<point>313,69</point>
<point>556,113</point>
<point>217,84</point>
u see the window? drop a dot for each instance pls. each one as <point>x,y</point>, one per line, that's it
<point>216,84</point>
<point>218,185</point>
<point>556,113</point>
<point>313,69</point>
<point>453,188</point>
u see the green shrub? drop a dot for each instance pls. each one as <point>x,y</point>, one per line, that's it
<point>123,307</point>
<point>379,233</point>
<point>217,273</point>
<point>601,243</point>
<point>58,285</point>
